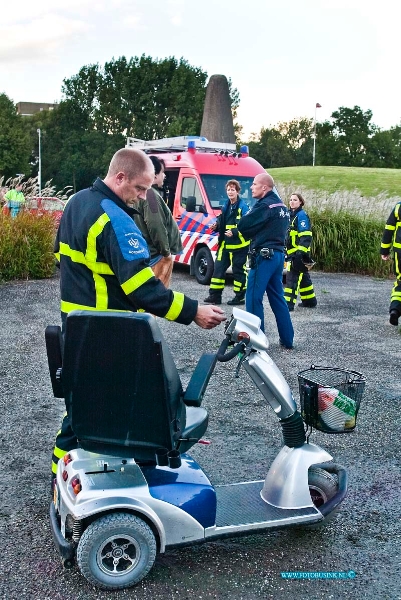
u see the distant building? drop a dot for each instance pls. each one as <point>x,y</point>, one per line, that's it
<point>26,109</point>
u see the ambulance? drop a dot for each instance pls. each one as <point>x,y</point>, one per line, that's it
<point>196,175</point>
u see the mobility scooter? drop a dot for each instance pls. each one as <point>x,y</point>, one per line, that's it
<point>131,489</point>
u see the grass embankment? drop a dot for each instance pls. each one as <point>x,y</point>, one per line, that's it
<point>368,182</point>
<point>348,209</point>
<point>26,246</point>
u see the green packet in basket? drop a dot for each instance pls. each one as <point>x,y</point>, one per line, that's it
<point>335,409</point>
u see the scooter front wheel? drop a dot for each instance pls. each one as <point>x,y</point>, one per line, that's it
<point>322,485</point>
<point>116,551</point>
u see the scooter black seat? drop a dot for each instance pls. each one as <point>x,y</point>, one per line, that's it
<point>122,389</point>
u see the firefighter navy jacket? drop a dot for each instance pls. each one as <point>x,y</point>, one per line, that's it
<point>266,224</point>
<point>104,260</point>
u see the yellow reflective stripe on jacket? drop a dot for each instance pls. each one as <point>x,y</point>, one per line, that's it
<point>67,307</point>
<point>137,280</point>
<point>94,231</point>
<point>101,292</point>
<point>79,257</point>
<point>176,306</point>
<point>242,243</point>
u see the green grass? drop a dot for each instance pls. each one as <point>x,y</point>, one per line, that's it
<point>369,182</point>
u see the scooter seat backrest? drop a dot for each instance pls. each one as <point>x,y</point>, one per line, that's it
<point>122,389</point>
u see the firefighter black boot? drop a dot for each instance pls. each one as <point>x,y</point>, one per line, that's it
<point>213,299</point>
<point>239,298</point>
<point>394,316</point>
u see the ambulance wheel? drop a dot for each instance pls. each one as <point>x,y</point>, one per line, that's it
<point>116,551</point>
<point>203,266</point>
<point>322,486</point>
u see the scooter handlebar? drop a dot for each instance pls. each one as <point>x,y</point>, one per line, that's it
<point>221,353</point>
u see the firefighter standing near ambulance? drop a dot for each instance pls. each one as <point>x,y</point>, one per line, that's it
<point>232,249</point>
<point>392,237</point>
<point>104,259</point>
<point>299,241</point>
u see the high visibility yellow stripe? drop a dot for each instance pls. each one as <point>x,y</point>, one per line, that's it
<point>101,292</point>
<point>390,227</point>
<point>220,251</point>
<point>176,306</point>
<point>233,246</point>
<point>58,453</point>
<point>79,257</point>
<point>137,280</point>
<point>67,307</point>
<point>94,231</point>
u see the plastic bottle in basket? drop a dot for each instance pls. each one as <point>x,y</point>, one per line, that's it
<point>336,410</point>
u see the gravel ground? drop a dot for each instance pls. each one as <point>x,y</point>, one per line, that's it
<point>349,328</point>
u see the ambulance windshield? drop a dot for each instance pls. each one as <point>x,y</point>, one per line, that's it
<point>215,186</point>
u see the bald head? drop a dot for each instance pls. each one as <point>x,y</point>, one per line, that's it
<point>131,162</point>
<point>262,184</point>
<point>130,175</point>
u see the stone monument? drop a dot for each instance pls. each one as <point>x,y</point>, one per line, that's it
<point>217,121</point>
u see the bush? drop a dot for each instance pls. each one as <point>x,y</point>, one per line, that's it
<point>26,246</point>
<point>345,242</point>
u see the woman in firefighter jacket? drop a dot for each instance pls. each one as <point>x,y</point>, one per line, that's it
<point>299,241</point>
<point>232,249</point>
<point>392,237</point>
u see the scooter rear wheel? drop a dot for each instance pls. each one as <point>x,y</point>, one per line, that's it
<point>322,485</point>
<point>116,551</point>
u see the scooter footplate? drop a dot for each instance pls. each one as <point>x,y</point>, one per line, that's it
<point>241,504</point>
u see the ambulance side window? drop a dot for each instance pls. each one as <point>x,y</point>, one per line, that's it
<point>190,191</point>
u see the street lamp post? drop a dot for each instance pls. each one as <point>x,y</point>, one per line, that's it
<point>317,105</point>
<point>40,166</point>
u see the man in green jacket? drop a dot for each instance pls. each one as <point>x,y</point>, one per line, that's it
<point>15,200</point>
<point>158,227</point>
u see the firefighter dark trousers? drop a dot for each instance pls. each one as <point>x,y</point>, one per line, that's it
<point>395,299</point>
<point>225,258</point>
<point>299,282</point>
<point>65,441</point>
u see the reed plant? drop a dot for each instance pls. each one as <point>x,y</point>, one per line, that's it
<point>26,246</point>
<point>347,229</point>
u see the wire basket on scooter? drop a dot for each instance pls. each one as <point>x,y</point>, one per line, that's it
<point>330,398</point>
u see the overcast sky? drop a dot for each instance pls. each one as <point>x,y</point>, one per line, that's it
<point>282,56</point>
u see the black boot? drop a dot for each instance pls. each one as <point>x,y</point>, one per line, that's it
<point>213,299</point>
<point>394,316</point>
<point>239,298</point>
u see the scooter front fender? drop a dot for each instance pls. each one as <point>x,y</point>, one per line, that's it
<point>286,483</point>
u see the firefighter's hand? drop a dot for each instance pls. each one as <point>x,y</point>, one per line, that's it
<point>229,233</point>
<point>208,316</point>
<point>385,256</point>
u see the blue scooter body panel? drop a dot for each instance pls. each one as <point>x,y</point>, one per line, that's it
<point>187,487</point>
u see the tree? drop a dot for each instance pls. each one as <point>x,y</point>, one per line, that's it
<point>15,146</point>
<point>142,97</point>
<point>385,149</point>
<point>271,149</point>
<point>353,130</point>
<point>285,145</point>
